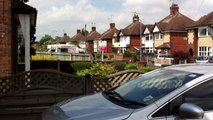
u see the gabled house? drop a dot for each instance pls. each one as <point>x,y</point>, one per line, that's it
<point>170,34</point>
<point>107,39</point>
<point>65,39</point>
<point>147,40</point>
<point>130,37</point>
<point>200,36</point>
<point>79,40</point>
<point>92,40</point>
<point>17,29</point>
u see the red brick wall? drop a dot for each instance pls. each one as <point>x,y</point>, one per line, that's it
<point>179,42</point>
<point>5,38</point>
<point>134,42</point>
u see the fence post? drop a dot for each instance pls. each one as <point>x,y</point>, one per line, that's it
<point>88,84</point>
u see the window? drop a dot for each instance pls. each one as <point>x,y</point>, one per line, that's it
<point>116,40</point>
<point>158,36</point>
<point>204,31</point>
<point>203,99</point>
<point>205,51</point>
<point>148,50</point>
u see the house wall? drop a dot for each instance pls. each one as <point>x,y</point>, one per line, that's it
<point>166,38</point>
<point>134,42</point>
<point>205,41</point>
<point>5,38</point>
<point>179,42</point>
<point>90,46</point>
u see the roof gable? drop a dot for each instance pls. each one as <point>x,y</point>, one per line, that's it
<point>204,21</point>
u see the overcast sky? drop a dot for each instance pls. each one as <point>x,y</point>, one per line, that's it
<point>56,17</point>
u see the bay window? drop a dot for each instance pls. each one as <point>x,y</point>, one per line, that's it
<point>205,51</point>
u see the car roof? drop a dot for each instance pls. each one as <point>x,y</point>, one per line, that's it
<point>194,68</point>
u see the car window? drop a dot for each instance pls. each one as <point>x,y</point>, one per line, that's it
<point>198,95</point>
<point>153,86</point>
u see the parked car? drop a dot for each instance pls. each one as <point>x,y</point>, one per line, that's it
<point>167,93</point>
<point>204,59</point>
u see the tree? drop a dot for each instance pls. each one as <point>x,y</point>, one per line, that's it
<point>45,38</point>
<point>84,32</point>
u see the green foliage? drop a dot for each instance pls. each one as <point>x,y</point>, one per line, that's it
<point>41,58</point>
<point>146,69</point>
<point>78,66</point>
<point>83,72</point>
<point>84,32</point>
<point>45,39</point>
<point>131,66</point>
<point>98,69</point>
<point>119,65</point>
<point>98,55</point>
<point>127,53</point>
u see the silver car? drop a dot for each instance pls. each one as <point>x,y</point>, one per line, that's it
<point>204,59</point>
<point>168,93</point>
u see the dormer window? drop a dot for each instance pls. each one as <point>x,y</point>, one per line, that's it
<point>204,31</point>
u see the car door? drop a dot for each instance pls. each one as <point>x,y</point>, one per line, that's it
<point>201,95</point>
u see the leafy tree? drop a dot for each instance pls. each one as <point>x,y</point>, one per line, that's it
<point>45,39</point>
<point>84,31</point>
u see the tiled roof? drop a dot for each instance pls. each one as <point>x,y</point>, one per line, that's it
<point>93,35</point>
<point>65,39</point>
<point>164,46</point>
<point>78,36</point>
<point>175,21</point>
<point>204,21</point>
<point>135,28</point>
<point>150,27</point>
<point>110,32</point>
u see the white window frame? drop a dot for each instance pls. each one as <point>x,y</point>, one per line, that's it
<point>158,36</point>
<point>148,50</point>
<point>207,31</point>
<point>205,51</point>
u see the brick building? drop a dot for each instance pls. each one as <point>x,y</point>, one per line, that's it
<point>13,41</point>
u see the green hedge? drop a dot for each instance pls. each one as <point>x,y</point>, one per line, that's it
<point>78,66</point>
<point>119,65</point>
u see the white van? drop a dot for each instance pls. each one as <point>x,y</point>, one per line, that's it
<point>169,93</point>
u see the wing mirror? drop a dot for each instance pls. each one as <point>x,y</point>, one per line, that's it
<point>190,111</point>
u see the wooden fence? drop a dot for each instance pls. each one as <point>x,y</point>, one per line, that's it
<point>26,95</point>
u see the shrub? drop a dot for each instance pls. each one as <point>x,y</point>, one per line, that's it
<point>131,66</point>
<point>83,72</point>
<point>78,66</point>
<point>146,69</point>
<point>98,55</point>
<point>42,58</point>
<point>98,69</point>
<point>119,65</point>
<point>127,53</point>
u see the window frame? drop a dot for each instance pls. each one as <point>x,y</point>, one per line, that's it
<point>204,51</point>
<point>207,32</point>
<point>182,95</point>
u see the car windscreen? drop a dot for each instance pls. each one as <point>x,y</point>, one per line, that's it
<point>152,86</point>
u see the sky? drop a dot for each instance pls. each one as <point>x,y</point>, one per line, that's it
<point>56,17</point>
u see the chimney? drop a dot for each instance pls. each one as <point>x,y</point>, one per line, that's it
<point>78,31</point>
<point>174,9</point>
<point>65,34</point>
<point>135,18</point>
<point>93,29</point>
<point>112,25</point>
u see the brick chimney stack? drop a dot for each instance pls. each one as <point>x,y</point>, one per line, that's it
<point>135,18</point>
<point>78,31</point>
<point>93,29</point>
<point>112,25</point>
<point>65,34</point>
<point>174,9</point>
